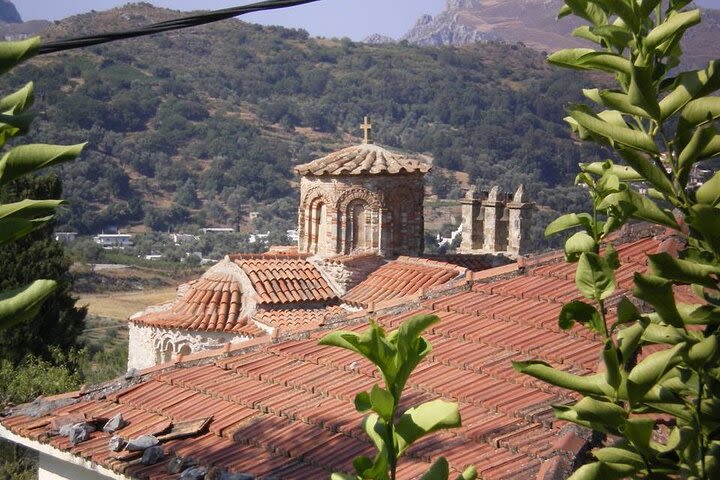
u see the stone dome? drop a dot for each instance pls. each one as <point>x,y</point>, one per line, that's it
<point>363,159</point>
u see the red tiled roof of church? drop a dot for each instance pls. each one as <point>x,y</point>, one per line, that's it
<point>295,318</point>
<point>362,159</point>
<point>285,409</point>
<point>285,279</point>
<point>212,303</point>
<point>400,278</point>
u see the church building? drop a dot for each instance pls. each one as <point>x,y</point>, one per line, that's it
<point>361,231</point>
<point>362,199</point>
<point>230,382</point>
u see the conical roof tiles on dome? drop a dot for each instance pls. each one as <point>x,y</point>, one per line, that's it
<point>363,159</point>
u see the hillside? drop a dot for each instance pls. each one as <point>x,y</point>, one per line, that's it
<point>199,127</point>
<point>12,26</point>
<point>533,23</point>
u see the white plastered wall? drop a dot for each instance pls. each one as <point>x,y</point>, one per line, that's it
<point>51,468</point>
<point>149,346</point>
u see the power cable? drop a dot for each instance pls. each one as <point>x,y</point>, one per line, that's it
<point>176,24</point>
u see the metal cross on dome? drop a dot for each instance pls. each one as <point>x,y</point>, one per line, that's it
<point>367,127</point>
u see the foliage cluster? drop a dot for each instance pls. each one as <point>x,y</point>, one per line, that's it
<point>229,109</point>
<point>396,354</point>
<point>661,124</point>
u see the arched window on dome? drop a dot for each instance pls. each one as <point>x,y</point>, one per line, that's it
<point>358,229</point>
<point>317,226</point>
<point>185,349</point>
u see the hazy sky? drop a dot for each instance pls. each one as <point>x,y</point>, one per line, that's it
<point>328,18</point>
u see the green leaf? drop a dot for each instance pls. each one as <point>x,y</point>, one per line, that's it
<point>375,429</point>
<point>602,471</point>
<point>612,257</point>
<point>647,373</point>
<point>577,244</point>
<point>580,312</point>
<point>14,53</point>
<point>29,209</point>
<point>362,464</point>
<point>411,329</point>
<point>613,35</point>
<point>672,26</point>
<point>621,456</point>
<point>440,470</point>
<point>647,6</point>
<point>12,228</point>
<point>584,32</point>
<point>706,220</point>
<point>627,311</point>
<point>684,271</point>
<point>424,419</point>
<point>658,292</point>
<point>689,86</point>
<point>699,145</point>
<point>470,473</point>
<point>23,303</point>
<point>589,59</point>
<point>610,358</point>
<point>601,415</point>
<point>382,403</point>
<point>629,338</point>
<point>709,192</point>
<point>614,133</point>
<point>658,334</point>
<point>362,402</point>
<point>587,10</point>
<point>639,432</point>
<point>638,206</point>
<point>587,385</point>
<point>343,476</point>
<point>624,9</point>
<point>649,170</point>
<point>641,92</point>
<point>564,12</point>
<point>626,174</point>
<point>19,101</point>
<point>703,352</point>
<point>568,221</point>
<point>594,277</point>
<point>28,158</point>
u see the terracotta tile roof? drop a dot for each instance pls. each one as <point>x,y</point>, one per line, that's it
<point>286,410</point>
<point>353,259</point>
<point>402,277</point>
<point>212,303</point>
<point>284,279</point>
<point>362,159</point>
<point>296,318</point>
<point>474,263</point>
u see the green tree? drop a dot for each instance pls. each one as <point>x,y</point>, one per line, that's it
<point>660,123</point>
<point>58,323</point>
<point>19,218</point>
<point>396,354</point>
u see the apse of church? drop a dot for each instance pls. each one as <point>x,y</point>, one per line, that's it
<point>362,199</point>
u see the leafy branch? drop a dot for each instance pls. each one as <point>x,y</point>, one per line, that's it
<point>20,218</point>
<point>661,125</point>
<point>396,354</point>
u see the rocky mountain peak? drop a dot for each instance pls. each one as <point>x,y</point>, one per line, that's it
<point>8,12</point>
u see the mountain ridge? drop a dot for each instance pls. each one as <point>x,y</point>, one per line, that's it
<point>201,126</point>
<point>533,23</point>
